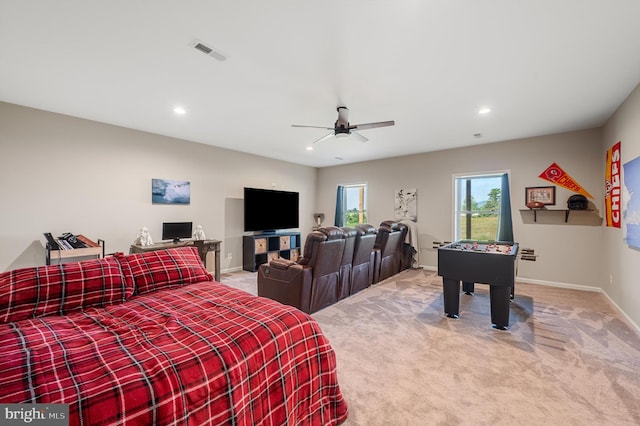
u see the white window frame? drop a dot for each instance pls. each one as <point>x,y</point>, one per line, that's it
<point>366,191</point>
<point>455,176</point>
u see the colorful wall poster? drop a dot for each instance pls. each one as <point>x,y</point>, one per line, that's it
<point>556,175</point>
<point>613,191</point>
<point>631,214</point>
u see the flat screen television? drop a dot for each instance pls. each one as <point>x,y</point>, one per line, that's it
<point>176,230</point>
<point>268,210</point>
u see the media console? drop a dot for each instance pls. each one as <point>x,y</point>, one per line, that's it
<point>259,249</point>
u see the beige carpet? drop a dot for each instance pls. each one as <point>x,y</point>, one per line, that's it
<point>569,358</point>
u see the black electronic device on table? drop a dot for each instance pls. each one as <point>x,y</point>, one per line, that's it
<point>174,231</point>
<point>73,240</point>
<point>53,244</point>
<point>473,262</point>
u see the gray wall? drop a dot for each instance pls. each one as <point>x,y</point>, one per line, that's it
<point>568,254</point>
<point>621,263</point>
<point>63,174</point>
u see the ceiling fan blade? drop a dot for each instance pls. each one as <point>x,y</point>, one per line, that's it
<point>313,127</point>
<point>327,136</point>
<point>372,125</point>
<point>360,137</point>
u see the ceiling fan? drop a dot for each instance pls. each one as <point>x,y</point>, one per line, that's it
<point>342,128</point>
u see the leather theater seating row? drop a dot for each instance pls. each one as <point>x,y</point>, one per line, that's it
<point>336,263</point>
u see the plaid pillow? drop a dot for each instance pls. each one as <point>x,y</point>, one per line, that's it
<point>59,289</point>
<point>158,269</point>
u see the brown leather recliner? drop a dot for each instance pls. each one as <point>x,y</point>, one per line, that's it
<point>402,248</point>
<point>313,282</point>
<point>408,251</point>
<point>389,245</point>
<point>346,264</point>
<point>363,258</point>
<point>399,264</point>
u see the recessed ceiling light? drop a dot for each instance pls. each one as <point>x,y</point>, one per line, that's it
<point>180,110</point>
<point>484,110</point>
<point>309,148</point>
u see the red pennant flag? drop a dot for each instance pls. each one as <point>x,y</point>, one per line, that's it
<point>556,175</point>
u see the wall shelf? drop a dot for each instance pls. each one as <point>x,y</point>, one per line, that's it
<point>561,217</point>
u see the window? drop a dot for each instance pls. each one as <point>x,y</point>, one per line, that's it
<point>355,205</point>
<point>478,206</point>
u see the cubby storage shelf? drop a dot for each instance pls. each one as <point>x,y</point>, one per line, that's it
<point>259,249</point>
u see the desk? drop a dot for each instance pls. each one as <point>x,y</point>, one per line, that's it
<point>204,246</point>
<point>474,262</point>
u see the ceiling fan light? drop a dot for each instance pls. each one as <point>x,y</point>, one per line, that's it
<point>342,135</point>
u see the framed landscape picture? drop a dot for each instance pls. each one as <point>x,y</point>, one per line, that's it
<point>165,191</point>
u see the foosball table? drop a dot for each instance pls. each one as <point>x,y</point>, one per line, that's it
<point>484,262</point>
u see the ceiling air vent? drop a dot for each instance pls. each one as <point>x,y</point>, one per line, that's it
<point>216,54</point>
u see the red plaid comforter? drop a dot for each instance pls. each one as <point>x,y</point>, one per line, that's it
<point>201,354</point>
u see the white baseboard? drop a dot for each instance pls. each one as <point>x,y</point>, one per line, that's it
<point>229,270</point>
<point>561,285</point>
<point>624,314</point>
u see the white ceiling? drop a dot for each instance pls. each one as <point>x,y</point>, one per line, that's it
<point>542,66</point>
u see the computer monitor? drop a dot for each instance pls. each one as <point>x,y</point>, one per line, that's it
<point>176,230</point>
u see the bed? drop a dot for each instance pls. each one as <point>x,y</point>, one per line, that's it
<point>151,339</point>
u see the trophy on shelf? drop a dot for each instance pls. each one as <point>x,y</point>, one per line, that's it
<point>318,218</point>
